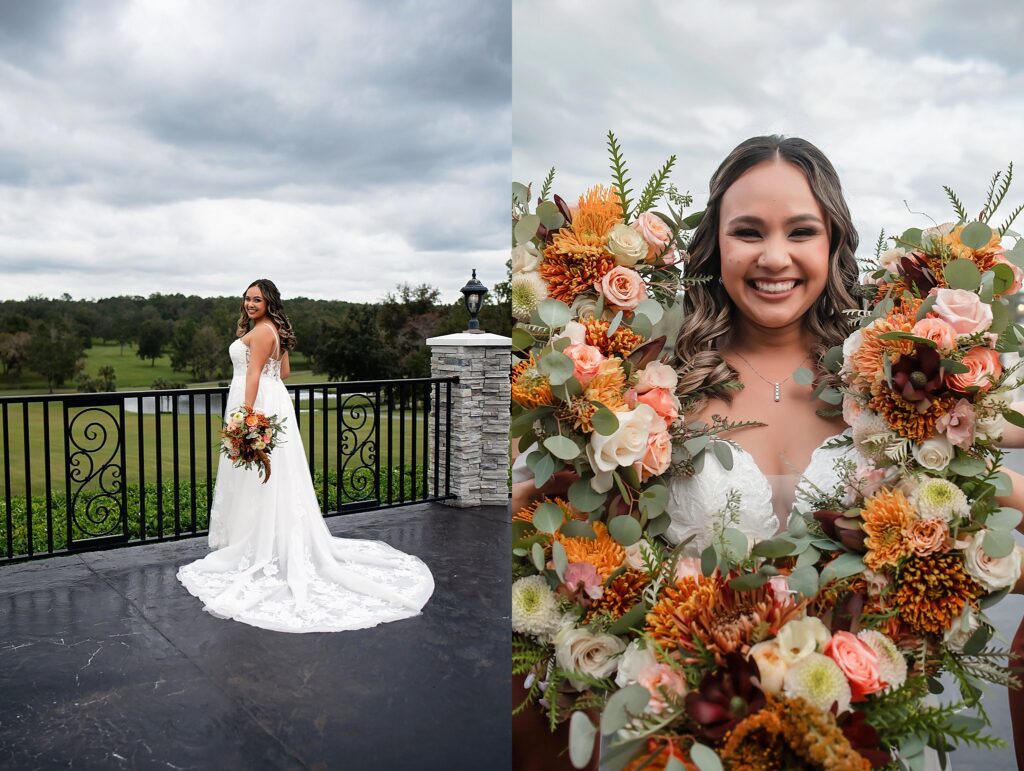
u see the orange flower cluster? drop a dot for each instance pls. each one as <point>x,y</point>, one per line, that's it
<point>620,595</point>
<point>950,247</point>
<point>933,591</point>
<point>903,417</point>
<point>569,511</point>
<point>530,388</point>
<point>867,361</point>
<point>622,343</point>
<point>887,518</point>
<point>603,552</point>
<point>607,387</point>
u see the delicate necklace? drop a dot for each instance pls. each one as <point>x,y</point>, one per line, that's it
<point>777,385</point>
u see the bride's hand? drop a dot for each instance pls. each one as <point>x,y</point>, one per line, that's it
<point>525,493</point>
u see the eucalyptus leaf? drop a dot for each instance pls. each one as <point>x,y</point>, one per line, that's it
<point>537,555</point>
<point>1000,317</point>
<point>622,706</point>
<point>653,501</point>
<point>953,367</point>
<point>1015,418</point>
<point>705,758</point>
<point>543,470</point>
<point>1003,278</point>
<point>911,237</point>
<point>804,581</point>
<point>967,466</point>
<point>773,548</point>
<point>962,274</point>
<point>736,542</point>
<point>641,325</point>
<point>549,215</point>
<point>547,518</point>
<point>674,764</point>
<point>997,543</point>
<point>986,291</point>
<point>696,444</point>
<point>723,452</point>
<point>625,530</point>
<point>832,396</point>
<point>926,307</point>
<point>1003,486</point>
<point>613,327</point>
<point>659,525</point>
<point>708,561</point>
<point>748,581</point>
<point>562,447</point>
<point>1016,254</point>
<point>833,360</point>
<point>978,640</point>
<point>559,557</point>
<point>520,193</point>
<point>604,421</point>
<point>632,618</point>
<point>576,529</point>
<point>976,235</point>
<point>804,376</point>
<point>584,497</point>
<point>652,309</point>
<point>526,228</point>
<point>521,339</point>
<point>843,566</point>
<point>557,366</point>
<point>554,313</point>
<point>582,734</point>
<point>808,556</point>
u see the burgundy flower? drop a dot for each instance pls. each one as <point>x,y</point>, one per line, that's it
<point>726,696</point>
<point>563,207</point>
<point>864,738</point>
<point>849,531</point>
<point>916,273</point>
<point>918,376</point>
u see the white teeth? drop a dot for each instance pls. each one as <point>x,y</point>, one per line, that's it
<point>777,287</point>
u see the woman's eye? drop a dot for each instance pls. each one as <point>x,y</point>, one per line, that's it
<point>804,232</point>
<point>746,233</point>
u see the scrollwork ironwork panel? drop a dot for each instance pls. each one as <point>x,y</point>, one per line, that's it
<point>94,457</point>
<point>356,417</point>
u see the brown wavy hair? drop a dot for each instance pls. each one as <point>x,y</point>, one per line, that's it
<point>275,310</point>
<point>708,309</point>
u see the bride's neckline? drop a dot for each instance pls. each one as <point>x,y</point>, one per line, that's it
<point>810,461</point>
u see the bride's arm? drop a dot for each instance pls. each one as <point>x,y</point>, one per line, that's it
<point>1015,500</point>
<point>1013,436</point>
<point>261,343</point>
<point>286,367</point>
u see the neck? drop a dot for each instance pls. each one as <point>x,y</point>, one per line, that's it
<point>784,343</point>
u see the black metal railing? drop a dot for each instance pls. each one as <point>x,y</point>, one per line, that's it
<point>92,471</point>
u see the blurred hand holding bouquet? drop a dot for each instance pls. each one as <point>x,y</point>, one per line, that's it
<point>248,437</point>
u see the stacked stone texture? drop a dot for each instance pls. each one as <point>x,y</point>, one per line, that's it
<point>480,422</point>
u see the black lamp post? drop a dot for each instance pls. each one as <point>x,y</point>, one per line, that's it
<point>474,293</point>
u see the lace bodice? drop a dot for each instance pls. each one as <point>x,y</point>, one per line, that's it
<point>697,505</point>
<point>239,353</point>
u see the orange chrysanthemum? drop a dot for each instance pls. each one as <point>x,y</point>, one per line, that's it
<point>867,360</point>
<point>902,416</point>
<point>603,552</point>
<point>707,614</point>
<point>620,595</point>
<point>983,257</point>
<point>932,592</point>
<point>657,756</point>
<point>607,387</point>
<point>887,516</point>
<point>530,387</point>
<point>790,733</point>
<point>568,276</point>
<point>569,511</point>
<point>622,343</point>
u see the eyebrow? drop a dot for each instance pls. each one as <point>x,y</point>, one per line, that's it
<point>749,219</point>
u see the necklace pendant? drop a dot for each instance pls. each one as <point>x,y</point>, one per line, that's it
<point>778,392</point>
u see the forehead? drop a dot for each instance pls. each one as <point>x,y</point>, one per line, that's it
<point>254,292</point>
<point>770,190</point>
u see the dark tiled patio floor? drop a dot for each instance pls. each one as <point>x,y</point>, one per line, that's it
<point>107,662</point>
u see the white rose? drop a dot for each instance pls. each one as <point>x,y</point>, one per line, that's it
<point>579,650</point>
<point>990,429</point>
<point>657,375</point>
<point>623,448</point>
<point>850,347</point>
<point>525,258</point>
<point>626,245</point>
<point>633,661</point>
<point>993,574</point>
<point>933,234</point>
<point>801,637</point>
<point>575,331</point>
<point>770,664</point>
<point>890,258</point>
<point>934,453</point>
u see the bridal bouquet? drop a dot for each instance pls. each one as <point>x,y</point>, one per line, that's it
<point>248,437</point>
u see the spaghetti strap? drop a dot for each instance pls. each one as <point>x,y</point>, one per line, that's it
<point>277,342</point>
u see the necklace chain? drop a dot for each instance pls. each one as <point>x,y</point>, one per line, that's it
<point>776,384</point>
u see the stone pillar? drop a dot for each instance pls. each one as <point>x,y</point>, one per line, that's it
<point>481,403</point>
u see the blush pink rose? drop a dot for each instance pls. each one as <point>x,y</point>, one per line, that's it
<point>937,330</point>
<point>658,456</point>
<point>623,288</point>
<point>688,567</point>
<point>662,681</point>
<point>663,401</point>
<point>982,363</point>
<point>958,424</point>
<point>655,232</point>
<point>780,589</point>
<point>858,662</point>
<point>1018,275</point>
<point>587,359</point>
<point>962,310</point>
<point>657,375</point>
<point>583,576</point>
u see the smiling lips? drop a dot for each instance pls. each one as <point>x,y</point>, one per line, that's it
<point>774,287</point>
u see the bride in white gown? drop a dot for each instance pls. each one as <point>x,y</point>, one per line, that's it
<point>275,564</point>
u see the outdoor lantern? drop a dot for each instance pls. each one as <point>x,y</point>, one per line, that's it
<point>474,293</point>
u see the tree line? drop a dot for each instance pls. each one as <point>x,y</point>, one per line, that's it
<point>342,340</point>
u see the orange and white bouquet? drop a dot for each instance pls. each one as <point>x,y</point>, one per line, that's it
<point>247,438</point>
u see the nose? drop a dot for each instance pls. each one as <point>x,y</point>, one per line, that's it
<point>775,255</point>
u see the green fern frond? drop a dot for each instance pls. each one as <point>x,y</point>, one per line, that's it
<point>958,205</point>
<point>545,189</point>
<point>1009,220</point>
<point>880,244</point>
<point>997,190</point>
<point>620,175</point>
<point>655,187</point>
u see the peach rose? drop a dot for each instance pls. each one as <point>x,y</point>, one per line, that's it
<point>858,662</point>
<point>982,363</point>
<point>928,536</point>
<point>658,456</point>
<point>662,681</point>
<point>655,232</point>
<point>587,359</point>
<point>958,424</point>
<point>962,310</point>
<point>623,289</point>
<point>662,401</point>
<point>937,330</point>
<point>657,375</point>
<point>1018,275</point>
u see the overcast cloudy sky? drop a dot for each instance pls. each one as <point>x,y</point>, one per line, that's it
<point>338,148</point>
<point>903,95</point>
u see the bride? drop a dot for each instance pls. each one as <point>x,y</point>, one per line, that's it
<point>275,564</point>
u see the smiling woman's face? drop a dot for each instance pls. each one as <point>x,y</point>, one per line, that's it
<point>774,244</point>
<point>254,303</point>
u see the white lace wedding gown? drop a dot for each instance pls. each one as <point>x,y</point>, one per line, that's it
<point>275,564</point>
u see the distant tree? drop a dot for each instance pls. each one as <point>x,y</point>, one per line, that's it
<point>349,346</point>
<point>406,319</point>
<point>55,352</point>
<point>104,381</point>
<point>152,338</point>
<point>208,355</point>
<point>13,351</point>
<point>181,345</point>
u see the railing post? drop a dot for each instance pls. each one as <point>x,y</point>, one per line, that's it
<point>480,415</point>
